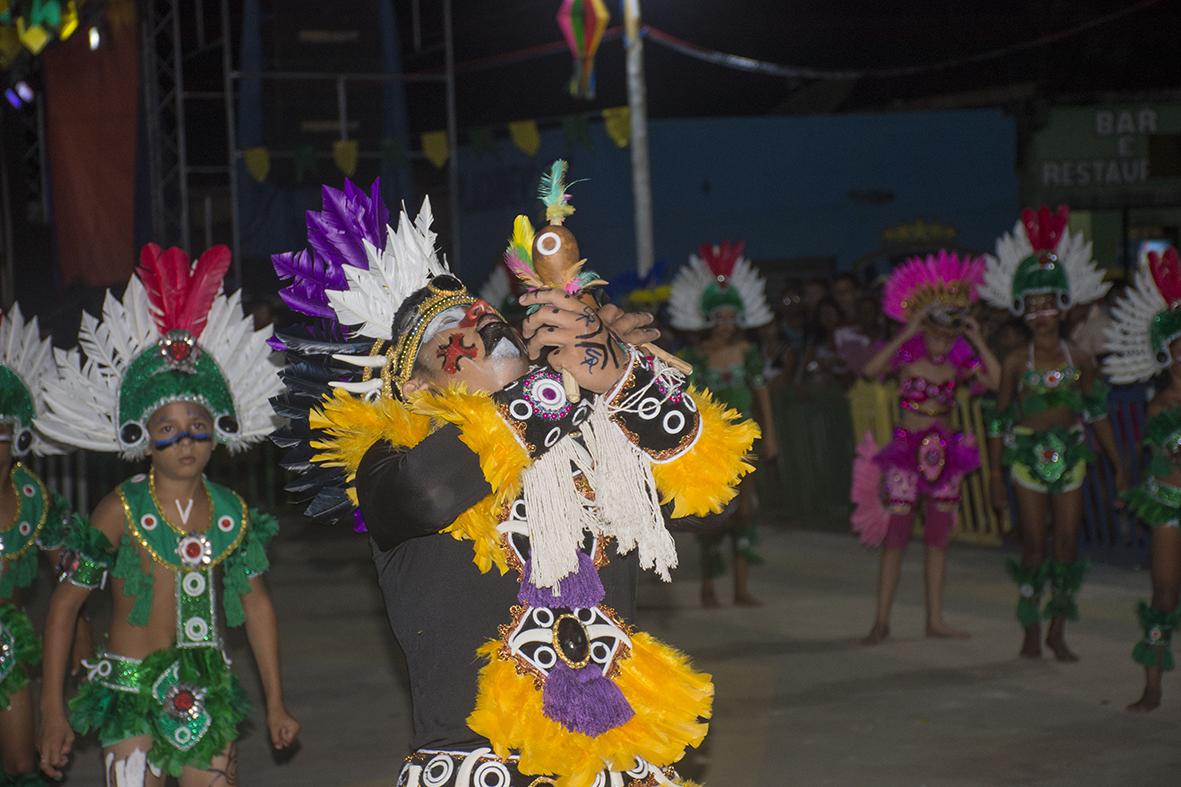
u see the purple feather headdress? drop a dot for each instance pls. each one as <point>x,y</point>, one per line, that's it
<point>335,235</point>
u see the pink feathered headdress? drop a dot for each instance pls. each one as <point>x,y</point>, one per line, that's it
<point>943,278</point>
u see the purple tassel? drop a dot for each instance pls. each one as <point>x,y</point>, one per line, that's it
<point>584,700</point>
<point>359,525</point>
<point>579,590</point>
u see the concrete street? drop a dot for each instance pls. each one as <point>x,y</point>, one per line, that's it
<point>799,701</point>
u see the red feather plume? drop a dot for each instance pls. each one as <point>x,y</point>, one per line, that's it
<point>179,296</point>
<point>1166,272</point>
<point>722,258</point>
<point>1043,228</point>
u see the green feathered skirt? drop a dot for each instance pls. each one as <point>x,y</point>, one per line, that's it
<point>19,650</point>
<point>1156,503</point>
<point>185,698</point>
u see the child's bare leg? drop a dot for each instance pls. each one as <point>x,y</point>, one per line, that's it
<point>938,522</point>
<point>1031,507</point>
<point>1166,591</point>
<point>16,735</point>
<point>897,536</point>
<point>222,771</point>
<point>126,764</point>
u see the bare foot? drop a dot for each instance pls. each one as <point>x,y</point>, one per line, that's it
<point>1149,700</point>
<point>709,599</point>
<point>941,630</point>
<point>878,633</point>
<point>1061,651</point>
<point>745,599</point>
<point>1031,647</point>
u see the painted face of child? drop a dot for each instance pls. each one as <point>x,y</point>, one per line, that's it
<point>181,440</point>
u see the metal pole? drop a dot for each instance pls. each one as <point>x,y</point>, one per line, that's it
<point>8,283</point>
<point>637,102</point>
<point>227,60</point>
<point>182,173</point>
<point>452,137</point>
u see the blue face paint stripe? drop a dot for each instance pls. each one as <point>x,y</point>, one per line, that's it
<point>196,437</point>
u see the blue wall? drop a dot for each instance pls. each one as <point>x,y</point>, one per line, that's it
<point>780,183</point>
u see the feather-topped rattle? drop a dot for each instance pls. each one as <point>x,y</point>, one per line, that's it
<point>550,259</point>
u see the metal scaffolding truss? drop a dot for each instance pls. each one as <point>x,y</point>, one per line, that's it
<point>164,115</point>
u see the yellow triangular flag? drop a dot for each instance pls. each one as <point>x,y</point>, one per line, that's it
<point>525,136</point>
<point>258,162</point>
<point>435,147</point>
<point>344,153</point>
<point>69,20</point>
<point>618,123</point>
<point>34,38</point>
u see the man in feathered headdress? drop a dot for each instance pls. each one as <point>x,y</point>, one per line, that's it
<point>35,521</point>
<point>170,369</point>
<point>508,517</point>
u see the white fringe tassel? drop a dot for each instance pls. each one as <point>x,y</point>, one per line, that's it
<point>557,514</point>
<point>625,493</point>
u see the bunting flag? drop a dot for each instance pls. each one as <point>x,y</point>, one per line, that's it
<point>435,147</point>
<point>483,141</point>
<point>525,136</point>
<point>617,120</point>
<point>344,153</point>
<point>304,157</point>
<point>258,162</point>
<point>576,129</point>
<point>393,154</point>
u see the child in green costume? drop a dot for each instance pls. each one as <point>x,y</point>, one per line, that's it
<point>170,370</point>
<point>33,523</point>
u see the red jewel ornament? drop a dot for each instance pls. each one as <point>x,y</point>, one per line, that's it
<point>184,701</point>
<point>193,550</point>
<point>179,349</point>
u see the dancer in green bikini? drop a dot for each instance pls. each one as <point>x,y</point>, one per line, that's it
<point>1145,341</point>
<point>1049,391</point>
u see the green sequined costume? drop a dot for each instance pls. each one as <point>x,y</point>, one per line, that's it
<point>1155,501</point>
<point>735,388</point>
<point>38,524</point>
<point>184,696</point>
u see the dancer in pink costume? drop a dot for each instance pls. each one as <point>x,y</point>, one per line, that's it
<point>939,349</point>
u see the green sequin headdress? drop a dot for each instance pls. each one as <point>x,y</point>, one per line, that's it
<point>1041,256</point>
<point>174,337</point>
<point>1145,321</point>
<point>718,277</point>
<point>25,358</point>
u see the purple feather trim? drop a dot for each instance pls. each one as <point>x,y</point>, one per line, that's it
<point>336,235</point>
<point>584,700</point>
<point>960,454</point>
<point>580,590</point>
<point>961,356</point>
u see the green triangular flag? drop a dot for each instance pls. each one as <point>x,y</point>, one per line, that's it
<point>393,154</point>
<point>576,128</point>
<point>483,141</point>
<point>305,162</point>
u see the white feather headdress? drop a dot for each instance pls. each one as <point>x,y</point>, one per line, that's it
<point>408,262</point>
<point>718,276</point>
<point>1146,320</point>
<point>1041,255</point>
<point>173,336</point>
<point>25,360</point>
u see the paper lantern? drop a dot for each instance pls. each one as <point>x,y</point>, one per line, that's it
<point>583,23</point>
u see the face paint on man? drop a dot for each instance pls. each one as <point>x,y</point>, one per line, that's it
<point>472,346</point>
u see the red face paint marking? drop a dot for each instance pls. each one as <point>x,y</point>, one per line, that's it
<point>475,312</point>
<point>455,350</point>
